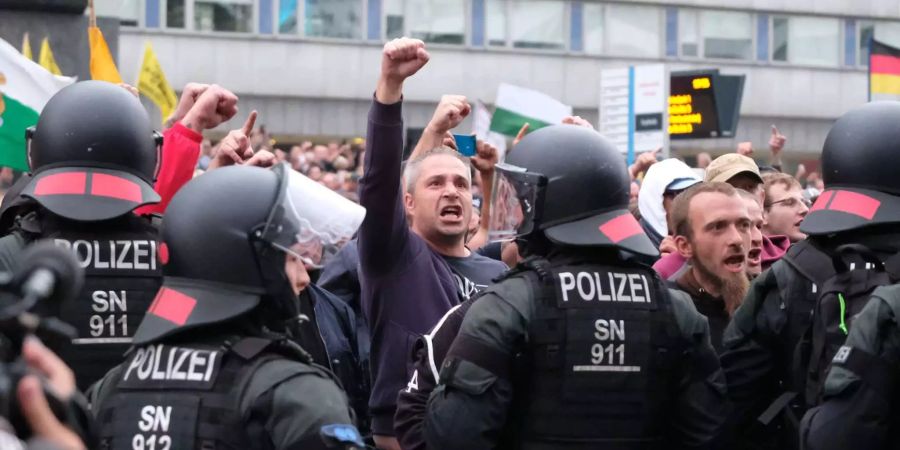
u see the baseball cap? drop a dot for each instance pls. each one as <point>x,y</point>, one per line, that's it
<point>727,166</point>
<point>680,184</point>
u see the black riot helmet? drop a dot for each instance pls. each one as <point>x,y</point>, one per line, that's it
<point>93,154</point>
<point>570,184</point>
<point>224,239</point>
<point>862,187</point>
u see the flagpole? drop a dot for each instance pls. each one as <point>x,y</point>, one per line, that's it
<point>869,78</point>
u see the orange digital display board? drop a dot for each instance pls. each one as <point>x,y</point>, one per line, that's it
<point>704,104</point>
<point>692,107</point>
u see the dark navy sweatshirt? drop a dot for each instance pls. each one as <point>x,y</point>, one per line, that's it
<point>406,286</point>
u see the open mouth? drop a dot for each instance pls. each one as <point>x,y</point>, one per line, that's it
<point>451,212</point>
<point>734,263</point>
<point>754,257</point>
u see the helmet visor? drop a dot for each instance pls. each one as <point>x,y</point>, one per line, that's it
<point>514,202</point>
<point>309,220</point>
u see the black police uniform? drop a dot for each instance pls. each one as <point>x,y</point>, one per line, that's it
<point>759,349</point>
<point>859,396</point>
<point>216,362</point>
<point>89,172</point>
<point>860,406</point>
<point>579,346</point>
<point>765,358</point>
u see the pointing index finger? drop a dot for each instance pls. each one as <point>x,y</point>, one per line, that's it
<point>248,125</point>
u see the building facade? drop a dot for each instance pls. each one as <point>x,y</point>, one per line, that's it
<point>309,66</point>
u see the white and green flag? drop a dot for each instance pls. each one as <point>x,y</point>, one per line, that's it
<point>25,88</point>
<point>481,127</point>
<point>516,105</point>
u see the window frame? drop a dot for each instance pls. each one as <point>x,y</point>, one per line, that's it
<point>858,40</point>
<point>189,13</point>
<point>467,25</point>
<point>754,39</point>
<point>604,48</point>
<point>699,30</point>
<point>584,30</point>
<point>300,19</point>
<point>508,42</point>
<point>841,50</point>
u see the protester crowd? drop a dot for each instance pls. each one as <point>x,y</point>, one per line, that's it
<point>332,295</point>
<point>337,165</point>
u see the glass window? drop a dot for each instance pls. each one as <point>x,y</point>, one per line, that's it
<point>806,40</point>
<point>688,37</point>
<point>175,14</point>
<point>886,32</point>
<point>634,30</point>
<point>223,15</point>
<point>334,18</point>
<point>440,21</point>
<point>727,35</point>
<point>538,24</point>
<point>393,19</point>
<point>593,28</point>
<point>127,11</point>
<point>779,38</point>
<point>287,16</point>
<point>495,22</point>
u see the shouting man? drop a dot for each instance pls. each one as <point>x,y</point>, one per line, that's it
<point>712,231</point>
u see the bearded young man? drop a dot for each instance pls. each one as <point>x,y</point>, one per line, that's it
<point>712,231</point>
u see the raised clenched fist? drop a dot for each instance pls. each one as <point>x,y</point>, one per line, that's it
<point>402,58</point>
<point>449,114</point>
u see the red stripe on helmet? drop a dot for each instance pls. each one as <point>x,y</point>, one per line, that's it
<point>822,201</point>
<point>621,228</point>
<point>71,183</point>
<point>163,253</point>
<point>855,203</point>
<point>173,306</point>
<point>112,186</point>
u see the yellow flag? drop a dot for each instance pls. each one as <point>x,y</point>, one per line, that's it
<point>152,83</point>
<point>102,65</point>
<point>46,60</point>
<point>26,47</point>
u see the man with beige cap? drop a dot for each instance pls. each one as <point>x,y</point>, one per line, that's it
<point>738,171</point>
<point>742,172</point>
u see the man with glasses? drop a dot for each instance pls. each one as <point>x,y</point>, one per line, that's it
<point>785,206</point>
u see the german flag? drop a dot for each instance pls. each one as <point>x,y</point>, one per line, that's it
<point>884,72</point>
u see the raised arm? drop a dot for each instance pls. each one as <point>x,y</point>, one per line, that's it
<point>384,233</point>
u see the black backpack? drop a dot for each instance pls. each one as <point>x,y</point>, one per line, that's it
<point>840,298</point>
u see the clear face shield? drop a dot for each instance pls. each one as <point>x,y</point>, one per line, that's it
<point>514,202</point>
<point>309,220</point>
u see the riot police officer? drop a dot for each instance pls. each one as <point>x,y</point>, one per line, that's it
<point>579,346</point>
<point>216,363</point>
<point>860,391</point>
<point>774,358</point>
<point>94,158</point>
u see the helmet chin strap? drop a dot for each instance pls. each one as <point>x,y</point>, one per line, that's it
<point>283,304</point>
